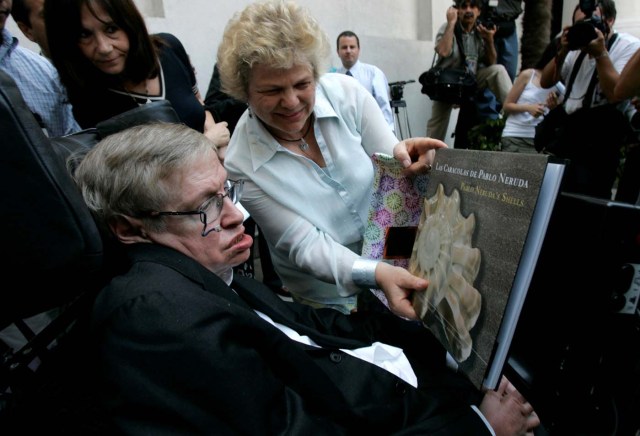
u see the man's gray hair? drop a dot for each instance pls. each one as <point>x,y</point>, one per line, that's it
<point>127,173</point>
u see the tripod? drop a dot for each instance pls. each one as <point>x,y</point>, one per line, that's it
<point>397,102</point>
<point>401,121</point>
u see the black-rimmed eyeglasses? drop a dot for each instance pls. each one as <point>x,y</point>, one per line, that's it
<point>212,208</point>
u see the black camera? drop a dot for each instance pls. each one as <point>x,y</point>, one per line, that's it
<point>584,31</point>
<point>488,16</point>
<point>397,89</point>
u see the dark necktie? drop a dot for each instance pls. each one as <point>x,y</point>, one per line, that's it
<point>348,73</point>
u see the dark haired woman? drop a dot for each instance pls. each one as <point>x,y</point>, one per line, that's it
<point>109,64</point>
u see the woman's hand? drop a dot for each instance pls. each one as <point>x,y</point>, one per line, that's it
<point>536,109</point>
<point>416,154</point>
<point>398,286</point>
<point>222,153</point>
<point>563,47</point>
<point>553,100</point>
<point>218,133</point>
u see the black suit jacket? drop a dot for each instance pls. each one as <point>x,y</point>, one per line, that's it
<point>180,352</point>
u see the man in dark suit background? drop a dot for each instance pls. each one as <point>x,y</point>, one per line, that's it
<point>184,347</point>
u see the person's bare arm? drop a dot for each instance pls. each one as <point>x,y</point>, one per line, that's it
<point>551,74</point>
<point>490,53</point>
<point>608,76</point>
<point>629,82</point>
<point>511,105</point>
<point>445,45</point>
<point>218,133</point>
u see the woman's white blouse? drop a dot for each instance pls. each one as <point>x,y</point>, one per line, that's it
<point>314,218</point>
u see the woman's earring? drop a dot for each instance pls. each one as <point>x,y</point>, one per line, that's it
<point>250,113</point>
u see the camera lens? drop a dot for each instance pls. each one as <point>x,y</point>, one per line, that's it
<point>581,34</point>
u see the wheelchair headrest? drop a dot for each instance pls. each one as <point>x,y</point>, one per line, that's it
<point>50,241</point>
<point>53,248</point>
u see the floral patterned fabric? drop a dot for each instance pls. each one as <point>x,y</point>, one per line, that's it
<point>397,201</point>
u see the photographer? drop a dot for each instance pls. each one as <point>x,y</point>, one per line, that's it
<point>503,15</point>
<point>594,134</point>
<point>479,57</point>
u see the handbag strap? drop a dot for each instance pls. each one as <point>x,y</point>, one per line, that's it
<point>457,33</point>
<point>572,78</point>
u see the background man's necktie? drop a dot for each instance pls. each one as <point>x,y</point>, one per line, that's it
<point>348,73</point>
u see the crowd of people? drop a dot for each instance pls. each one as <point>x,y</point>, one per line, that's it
<point>591,70</point>
<point>184,341</point>
<point>594,154</point>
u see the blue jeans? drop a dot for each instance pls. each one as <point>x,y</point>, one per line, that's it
<point>507,49</point>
